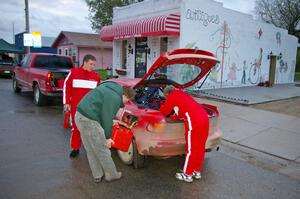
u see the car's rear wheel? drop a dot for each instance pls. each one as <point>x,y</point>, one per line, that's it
<point>15,85</point>
<point>132,156</point>
<point>38,98</point>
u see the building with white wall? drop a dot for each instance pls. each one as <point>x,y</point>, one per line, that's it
<point>245,47</point>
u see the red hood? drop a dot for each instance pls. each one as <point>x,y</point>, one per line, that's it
<point>203,59</point>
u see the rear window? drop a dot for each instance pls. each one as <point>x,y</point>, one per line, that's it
<point>179,73</point>
<point>52,61</point>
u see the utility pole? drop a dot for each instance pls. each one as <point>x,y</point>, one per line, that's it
<point>27,21</point>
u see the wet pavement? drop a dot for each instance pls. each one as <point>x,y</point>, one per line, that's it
<point>34,163</point>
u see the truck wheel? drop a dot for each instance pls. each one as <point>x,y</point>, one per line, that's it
<point>38,98</point>
<point>15,85</point>
<point>132,157</point>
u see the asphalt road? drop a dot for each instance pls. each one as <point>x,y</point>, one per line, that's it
<point>34,163</point>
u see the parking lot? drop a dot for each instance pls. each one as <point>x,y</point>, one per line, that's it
<point>34,150</point>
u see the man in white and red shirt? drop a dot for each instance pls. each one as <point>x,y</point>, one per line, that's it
<point>77,84</point>
<point>196,129</point>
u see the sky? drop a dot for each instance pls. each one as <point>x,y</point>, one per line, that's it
<point>52,16</point>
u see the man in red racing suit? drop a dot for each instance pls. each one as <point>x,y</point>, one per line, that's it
<point>196,130</point>
<point>77,84</point>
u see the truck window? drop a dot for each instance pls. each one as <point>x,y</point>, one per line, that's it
<point>26,60</point>
<point>52,61</point>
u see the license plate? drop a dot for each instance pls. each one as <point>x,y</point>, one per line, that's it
<point>7,71</point>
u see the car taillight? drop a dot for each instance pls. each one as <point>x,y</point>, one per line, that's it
<point>49,78</point>
<point>156,127</point>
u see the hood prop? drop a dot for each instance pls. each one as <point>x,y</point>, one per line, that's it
<point>204,79</point>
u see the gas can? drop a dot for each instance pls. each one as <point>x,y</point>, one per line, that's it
<point>122,137</point>
<point>66,119</point>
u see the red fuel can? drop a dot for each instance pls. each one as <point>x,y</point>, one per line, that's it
<point>67,119</point>
<point>122,137</point>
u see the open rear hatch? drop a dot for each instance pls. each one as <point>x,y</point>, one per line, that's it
<point>181,68</point>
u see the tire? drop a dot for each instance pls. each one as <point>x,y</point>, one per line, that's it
<point>139,161</point>
<point>15,85</point>
<point>38,98</point>
<point>132,157</point>
<point>126,157</point>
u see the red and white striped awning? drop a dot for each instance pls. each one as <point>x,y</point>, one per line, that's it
<point>153,26</point>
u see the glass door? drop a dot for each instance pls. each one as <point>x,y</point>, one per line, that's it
<point>140,68</point>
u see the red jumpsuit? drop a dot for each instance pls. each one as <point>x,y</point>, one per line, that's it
<point>77,84</point>
<point>196,127</point>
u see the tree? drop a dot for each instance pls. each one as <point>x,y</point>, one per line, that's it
<point>101,11</point>
<point>282,13</point>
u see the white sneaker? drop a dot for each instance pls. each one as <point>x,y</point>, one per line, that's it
<point>184,177</point>
<point>197,175</point>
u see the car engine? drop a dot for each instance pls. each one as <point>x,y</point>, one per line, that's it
<point>149,97</point>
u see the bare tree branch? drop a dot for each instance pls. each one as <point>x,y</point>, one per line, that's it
<point>282,13</point>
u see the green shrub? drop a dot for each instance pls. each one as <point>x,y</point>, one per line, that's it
<point>297,76</point>
<point>102,73</point>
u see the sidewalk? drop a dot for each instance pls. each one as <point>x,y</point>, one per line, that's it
<point>252,94</point>
<point>268,132</point>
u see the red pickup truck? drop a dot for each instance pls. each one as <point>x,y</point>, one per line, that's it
<point>42,73</point>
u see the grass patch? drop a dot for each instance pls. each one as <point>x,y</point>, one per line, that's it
<point>297,76</point>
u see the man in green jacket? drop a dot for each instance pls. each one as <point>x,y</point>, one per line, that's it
<point>94,119</point>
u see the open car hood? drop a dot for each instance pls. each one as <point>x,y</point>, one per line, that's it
<point>181,68</point>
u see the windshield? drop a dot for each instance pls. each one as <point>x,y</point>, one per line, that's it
<point>52,61</point>
<point>179,73</point>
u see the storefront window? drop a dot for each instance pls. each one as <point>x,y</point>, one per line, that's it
<point>66,51</point>
<point>124,54</point>
<point>140,57</point>
<point>163,49</point>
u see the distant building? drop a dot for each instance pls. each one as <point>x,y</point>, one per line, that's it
<point>46,44</point>
<point>249,51</point>
<point>77,45</point>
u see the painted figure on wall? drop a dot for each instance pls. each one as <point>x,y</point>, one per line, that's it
<point>223,38</point>
<point>278,38</point>
<point>255,69</point>
<point>243,80</point>
<point>283,66</point>
<point>232,72</point>
<point>260,32</point>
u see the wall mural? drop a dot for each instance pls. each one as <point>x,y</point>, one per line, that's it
<point>260,32</point>
<point>243,80</point>
<point>231,75</point>
<point>222,38</point>
<point>278,38</point>
<point>282,69</point>
<point>255,69</point>
<point>234,70</point>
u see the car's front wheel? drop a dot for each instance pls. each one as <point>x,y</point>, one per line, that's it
<point>132,156</point>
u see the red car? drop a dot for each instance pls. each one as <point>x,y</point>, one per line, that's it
<point>154,134</point>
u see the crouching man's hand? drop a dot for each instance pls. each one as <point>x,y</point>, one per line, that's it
<point>109,143</point>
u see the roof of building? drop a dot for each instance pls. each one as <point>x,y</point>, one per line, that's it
<point>82,39</point>
<point>47,41</point>
<point>6,47</point>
